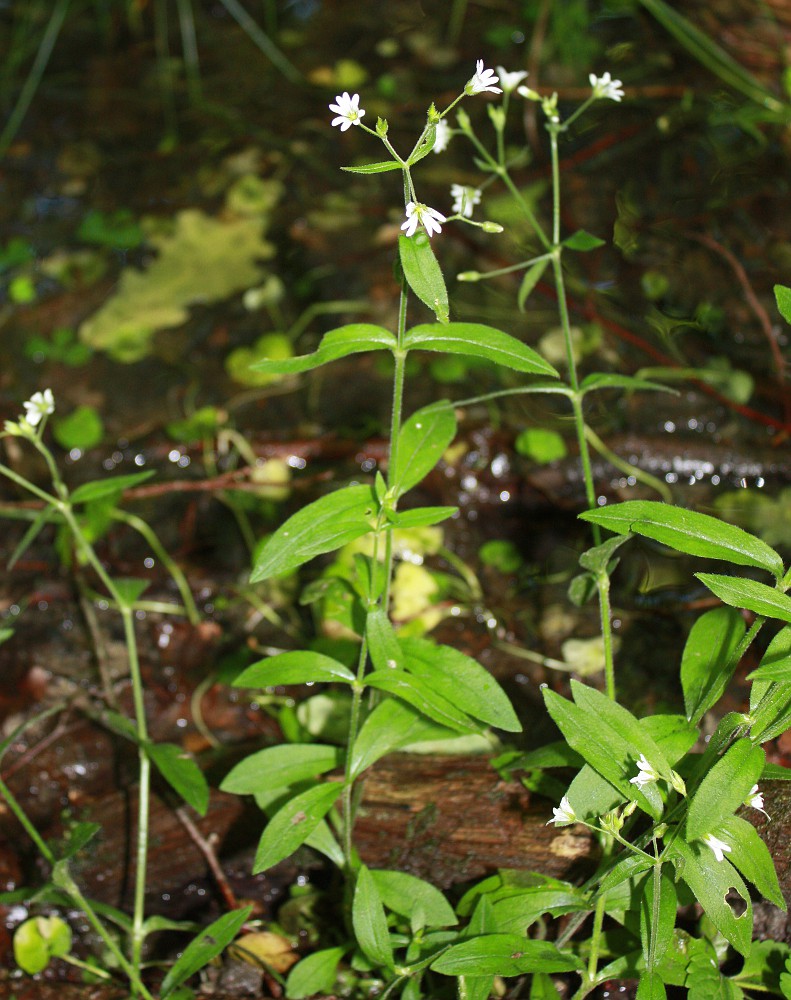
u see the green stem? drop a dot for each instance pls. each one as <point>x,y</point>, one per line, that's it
<point>655,914</point>
<point>142,528</point>
<point>603,585</point>
<point>595,942</point>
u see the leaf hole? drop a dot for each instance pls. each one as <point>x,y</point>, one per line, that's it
<point>737,904</point>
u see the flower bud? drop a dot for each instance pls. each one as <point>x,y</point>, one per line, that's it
<point>497,116</point>
<point>629,809</point>
<point>492,227</point>
<point>433,114</point>
<point>678,783</point>
<point>611,821</point>
<point>469,276</point>
<point>381,127</point>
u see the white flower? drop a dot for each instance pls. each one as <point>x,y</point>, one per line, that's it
<point>40,405</point>
<point>510,81</point>
<point>421,215</point>
<point>755,799</point>
<point>563,815</point>
<point>718,846</point>
<point>645,773</point>
<point>464,199</point>
<point>483,82</point>
<point>443,136</point>
<point>348,110</point>
<point>605,86</point>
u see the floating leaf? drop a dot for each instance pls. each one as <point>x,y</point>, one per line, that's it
<point>321,526</point>
<point>423,273</point>
<point>477,341</point>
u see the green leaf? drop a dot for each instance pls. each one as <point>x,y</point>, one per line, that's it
<point>724,788</point>
<point>39,939</point>
<point>100,489</point>
<point>598,559</point>
<point>504,955</point>
<point>44,517</point>
<point>293,823</point>
<point>416,692</point>
<point>315,974</point>
<point>477,341</point>
<point>384,648</point>
<point>321,526</point>
<point>300,666</point>
<point>423,273</point>
<point>530,280</point>
<point>740,592</point>
<point>354,338</point>
<point>651,987</point>
<point>370,922</point>
<point>422,441</point>
<point>582,241</point>
<point>519,911</point>
<point>374,168</point>
<point>182,774</point>
<point>776,661</point>
<point>82,428</point>
<point>776,772</point>
<point>130,589</point>
<point>605,380</point>
<point>411,897</point>
<point>751,856</point>
<point>79,835</point>
<point>211,941</point>
<point>687,531</point>
<point>711,881</point>
<point>556,754</point>
<point>707,663</point>
<point>462,681</point>
<point>674,735</point>
<point>783,299</point>
<point>389,726</point>
<point>541,445</point>
<point>421,517</point>
<point>629,867</point>
<point>592,795</point>
<point>279,766</point>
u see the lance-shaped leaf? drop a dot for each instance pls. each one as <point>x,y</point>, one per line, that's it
<point>750,594</point>
<point>280,766</point>
<point>354,338</point>
<point>101,489</point>
<point>708,663</point>
<point>292,825</point>
<point>775,663</point>
<point>314,974</point>
<point>504,955</point>
<point>751,856</point>
<point>608,380</point>
<point>299,666</point>
<point>420,517</point>
<point>411,897</point>
<point>475,340</point>
<point>416,692</point>
<point>530,280</point>
<point>582,241</point>
<point>687,531</point>
<point>423,273</point>
<point>391,725</point>
<point>462,680</point>
<point>369,920</point>
<point>711,881</point>
<point>422,441</point>
<point>182,774</point>
<point>664,909</point>
<point>374,168</point>
<point>211,941</point>
<point>724,788</point>
<point>322,526</point>
<point>783,299</point>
